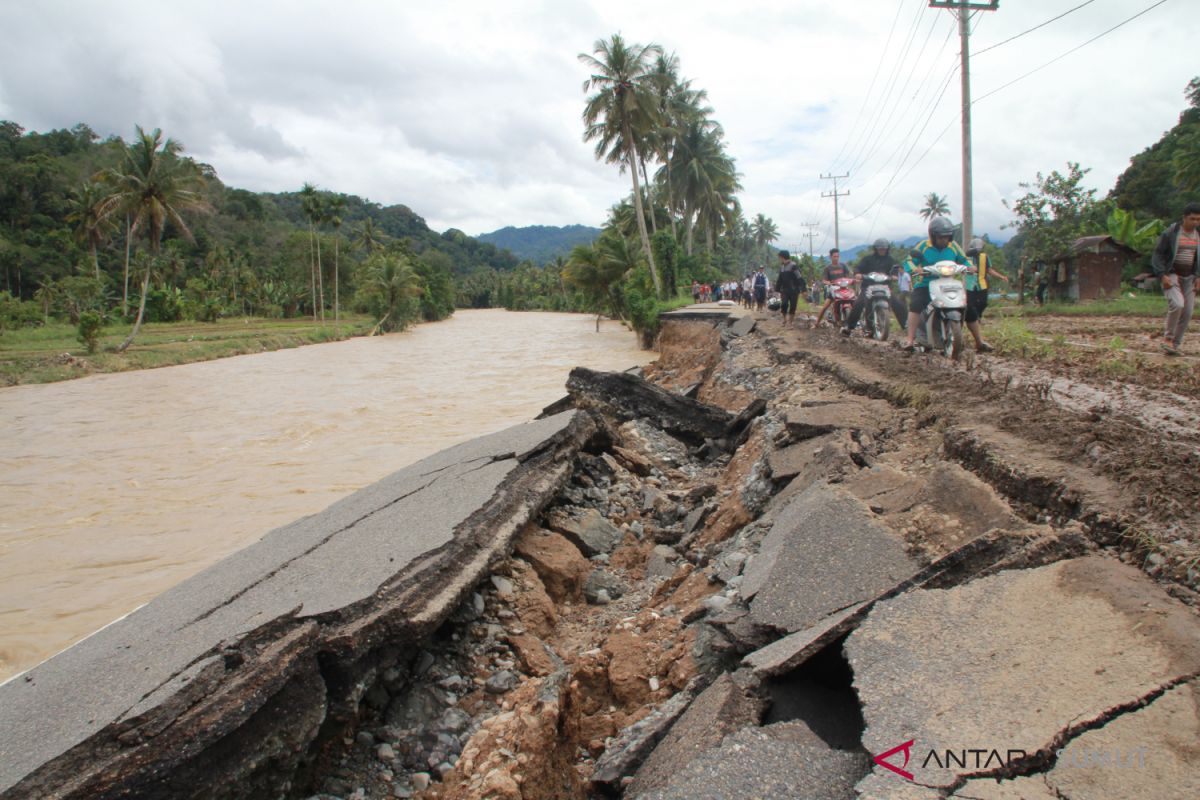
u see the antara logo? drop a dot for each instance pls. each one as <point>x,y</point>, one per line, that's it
<point>976,758</point>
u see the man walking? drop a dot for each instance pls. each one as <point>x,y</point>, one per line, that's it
<point>1174,262</point>
<point>790,285</point>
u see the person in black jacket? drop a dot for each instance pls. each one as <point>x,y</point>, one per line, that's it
<point>790,286</point>
<point>1174,263</point>
<point>878,261</point>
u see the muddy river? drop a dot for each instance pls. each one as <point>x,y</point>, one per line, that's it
<point>115,487</point>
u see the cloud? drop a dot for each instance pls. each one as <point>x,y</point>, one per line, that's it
<point>469,112</point>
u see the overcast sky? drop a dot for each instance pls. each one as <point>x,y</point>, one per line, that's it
<point>469,112</point>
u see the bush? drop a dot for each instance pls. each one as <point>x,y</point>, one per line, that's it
<point>90,324</point>
<point>16,313</point>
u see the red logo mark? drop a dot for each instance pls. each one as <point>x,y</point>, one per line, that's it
<point>906,747</point>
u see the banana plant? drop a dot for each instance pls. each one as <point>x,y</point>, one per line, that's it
<point>1125,228</point>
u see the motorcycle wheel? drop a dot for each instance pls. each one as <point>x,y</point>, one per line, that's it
<point>881,323</point>
<point>952,339</point>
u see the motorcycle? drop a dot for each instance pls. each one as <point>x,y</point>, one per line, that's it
<point>843,299</point>
<point>941,324</point>
<point>877,321</point>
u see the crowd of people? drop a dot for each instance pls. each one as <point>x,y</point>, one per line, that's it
<point>1174,262</point>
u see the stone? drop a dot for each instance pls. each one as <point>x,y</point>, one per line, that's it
<point>716,604</point>
<point>420,781</point>
<point>589,531</point>
<point>502,681</point>
<point>661,563</point>
<point>385,753</point>
<point>601,580</point>
<point>504,587</point>
<point>742,325</point>
<point>794,459</point>
<point>557,561</point>
<point>454,720</point>
<point>825,552</point>
<point>967,667</point>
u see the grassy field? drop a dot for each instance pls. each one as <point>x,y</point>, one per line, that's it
<point>1149,304</point>
<point>53,353</point>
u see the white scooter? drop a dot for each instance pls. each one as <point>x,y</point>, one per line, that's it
<point>941,327</point>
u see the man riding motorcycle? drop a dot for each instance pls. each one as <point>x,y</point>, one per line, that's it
<point>835,270</point>
<point>940,246</point>
<point>878,261</point>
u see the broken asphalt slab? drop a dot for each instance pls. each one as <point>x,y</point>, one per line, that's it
<point>1018,662</point>
<point>151,691</point>
<point>825,553</point>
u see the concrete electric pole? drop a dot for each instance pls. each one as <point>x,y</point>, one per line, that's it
<point>835,195</point>
<point>962,9</point>
<point>810,235</point>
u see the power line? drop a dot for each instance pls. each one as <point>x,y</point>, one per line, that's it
<point>1072,50</point>
<point>871,88</point>
<point>869,128</point>
<point>1034,28</point>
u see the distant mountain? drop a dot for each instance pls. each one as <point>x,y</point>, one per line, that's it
<point>540,243</point>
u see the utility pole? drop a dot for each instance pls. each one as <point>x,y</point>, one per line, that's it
<point>835,195</point>
<point>962,9</point>
<point>812,234</point>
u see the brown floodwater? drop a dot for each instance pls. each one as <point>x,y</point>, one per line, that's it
<point>115,487</point>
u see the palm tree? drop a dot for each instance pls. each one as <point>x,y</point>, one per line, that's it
<point>333,212</point>
<point>621,110</point>
<point>312,206</point>
<point>153,186</point>
<point>368,238</point>
<point>935,206</point>
<point>705,177</point>
<point>46,295</point>
<point>764,231</point>
<point>596,269</point>
<point>388,280</point>
<point>91,228</point>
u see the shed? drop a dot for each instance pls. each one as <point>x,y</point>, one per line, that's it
<point>1090,270</point>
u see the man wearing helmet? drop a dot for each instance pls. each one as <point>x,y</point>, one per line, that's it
<point>977,292</point>
<point>940,246</point>
<point>880,260</point>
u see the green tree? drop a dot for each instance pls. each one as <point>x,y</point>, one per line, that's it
<point>313,208</point>
<point>621,110</point>
<point>154,186</point>
<point>1054,212</point>
<point>936,205</point>
<point>334,208</point>
<point>388,289</point>
<point>91,227</point>
<point>764,231</point>
<point>596,270</point>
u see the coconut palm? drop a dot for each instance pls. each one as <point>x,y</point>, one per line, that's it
<point>596,270</point>
<point>764,231</point>
<point>368,238</point>
<point>935,206</point>
<point>153,186</point>
<point>621,110</point>
<point>388,281</point>
<point>91,227</point>
<point>334,208</point>
<point>705,178</point>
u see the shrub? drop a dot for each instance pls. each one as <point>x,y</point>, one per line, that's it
<point>90,324</point>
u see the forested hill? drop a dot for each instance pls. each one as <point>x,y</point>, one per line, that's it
<point>540,243</point>
<point>48,231</point>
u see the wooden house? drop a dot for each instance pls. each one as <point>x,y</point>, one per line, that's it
<point>1092,269</point>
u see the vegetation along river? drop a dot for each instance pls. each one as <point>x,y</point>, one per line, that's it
<point>115,487</point>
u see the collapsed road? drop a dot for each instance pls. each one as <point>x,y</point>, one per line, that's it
<point>773,566</point>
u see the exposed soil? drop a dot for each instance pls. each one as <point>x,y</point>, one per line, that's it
<point>529,686</point>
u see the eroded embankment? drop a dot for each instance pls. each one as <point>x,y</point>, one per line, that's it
<point>760,573</point>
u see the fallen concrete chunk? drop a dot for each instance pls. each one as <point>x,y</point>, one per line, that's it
<point>784,655</point>
<point>776,761</point>
<point>589,531</point>
<point>148,695</point>
<point>794,459</point>
<point>824,553</point>
<point>743,325</point>
<point>631,746</point>
<point>628,397</point>
<point>728,704</point>
<point>857,414</point>
<point>1014,663</point>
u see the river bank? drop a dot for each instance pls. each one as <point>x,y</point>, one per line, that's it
<point>115,487</point>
